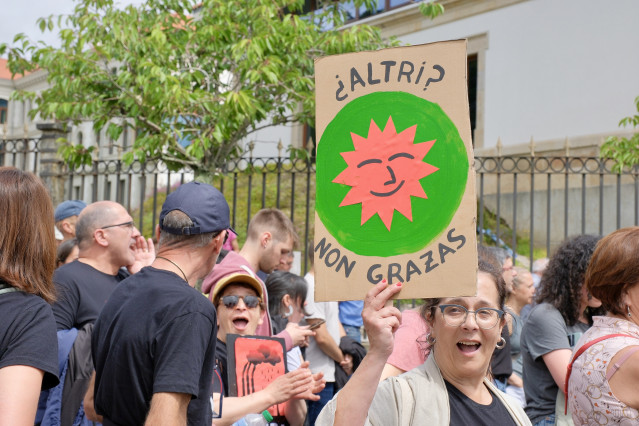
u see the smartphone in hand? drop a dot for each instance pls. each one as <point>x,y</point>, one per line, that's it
<point>317,324</point>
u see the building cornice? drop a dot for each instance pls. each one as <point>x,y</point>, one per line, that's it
<point>408,19</point>
<point>8,84</point>
<point>588,145</point>
<point>39,76</point>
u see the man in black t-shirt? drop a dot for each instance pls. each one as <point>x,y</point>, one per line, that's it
<point>154,342</point>
<point>110,249</point>
<point>108,242</point>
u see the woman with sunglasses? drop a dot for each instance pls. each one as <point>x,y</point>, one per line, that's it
<point>238,300</point>
<point>28,342</point>
<point>451,386</point>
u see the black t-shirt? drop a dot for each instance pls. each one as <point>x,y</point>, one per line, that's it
<point>501,364</point>
<point>27,335</point>
<point>82,293</point>
<point>464,411</point>
<point>220,368</point>
<point>155,334</point>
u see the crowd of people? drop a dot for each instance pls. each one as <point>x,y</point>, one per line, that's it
<point>102,327</point>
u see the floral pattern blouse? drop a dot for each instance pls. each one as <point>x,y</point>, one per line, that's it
<point>590,399</point>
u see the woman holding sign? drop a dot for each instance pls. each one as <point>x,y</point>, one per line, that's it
<point>451,386</point>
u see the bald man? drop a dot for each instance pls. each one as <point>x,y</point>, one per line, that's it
<point>111,248</point>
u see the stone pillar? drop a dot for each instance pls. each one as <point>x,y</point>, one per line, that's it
<point>50,164</point>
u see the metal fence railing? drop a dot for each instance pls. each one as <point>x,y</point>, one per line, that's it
<point>539,201</point>
<point>528,203</point>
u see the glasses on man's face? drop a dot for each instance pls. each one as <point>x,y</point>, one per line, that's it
<point>486,318</point>
<point>250,301</point>
<point>127,224</point>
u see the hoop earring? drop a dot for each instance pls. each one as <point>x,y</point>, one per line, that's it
<point>430,339</point>
<point>289,313</point>
<point>628,309</point>
<point>501,344</point>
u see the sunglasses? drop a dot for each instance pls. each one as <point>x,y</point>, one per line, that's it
<point>250,301</point>
<point>226,235</point>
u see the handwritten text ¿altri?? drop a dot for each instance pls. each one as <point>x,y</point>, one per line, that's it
<point>387,71</point>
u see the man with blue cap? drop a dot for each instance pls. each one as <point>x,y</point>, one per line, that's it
<point>154,342</point>
<point>66,215</point>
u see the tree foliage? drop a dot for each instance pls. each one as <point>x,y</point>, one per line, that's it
<point>431,9</point>
<point>625,151</point>
<point>191,78</point>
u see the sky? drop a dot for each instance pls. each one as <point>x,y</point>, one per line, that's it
<point>21,17</point>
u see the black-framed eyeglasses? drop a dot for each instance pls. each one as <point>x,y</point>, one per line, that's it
<point>486,318</point>
<point>250,301</point>
<point>128,224</point>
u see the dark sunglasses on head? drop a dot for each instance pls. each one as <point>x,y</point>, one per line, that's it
<point>232,301</point>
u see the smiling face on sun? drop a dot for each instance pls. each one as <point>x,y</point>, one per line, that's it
<point>384,172</point>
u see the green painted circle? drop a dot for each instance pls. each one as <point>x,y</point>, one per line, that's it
<point>444,188</point>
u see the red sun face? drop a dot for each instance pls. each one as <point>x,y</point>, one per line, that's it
<point>384,171</point>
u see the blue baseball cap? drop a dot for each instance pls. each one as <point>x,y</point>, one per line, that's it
<point>68,208</point>
<point>203,204</point>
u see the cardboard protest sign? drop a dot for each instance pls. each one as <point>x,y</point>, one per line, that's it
<point>253,363</point>
<point>395,184</point>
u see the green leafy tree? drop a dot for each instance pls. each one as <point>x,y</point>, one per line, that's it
<point>191,78</point>
<point>431,9</point>
<point>625,151</point>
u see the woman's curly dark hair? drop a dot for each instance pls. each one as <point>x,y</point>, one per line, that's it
<point>564,276</point>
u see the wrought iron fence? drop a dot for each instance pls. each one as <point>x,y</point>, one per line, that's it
<point>528,203</point>
<point>539,201</point>
<point>21,153</point>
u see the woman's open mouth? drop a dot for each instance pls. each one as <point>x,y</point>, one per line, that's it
<point>468,346</point>
<point>240,323</point>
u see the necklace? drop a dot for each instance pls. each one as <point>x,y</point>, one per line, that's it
<point>174,264</point>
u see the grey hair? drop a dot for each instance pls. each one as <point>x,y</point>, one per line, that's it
<point>500,254</point>
<point>522,273</point>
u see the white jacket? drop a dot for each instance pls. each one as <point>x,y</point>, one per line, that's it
<point>395,400</point>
